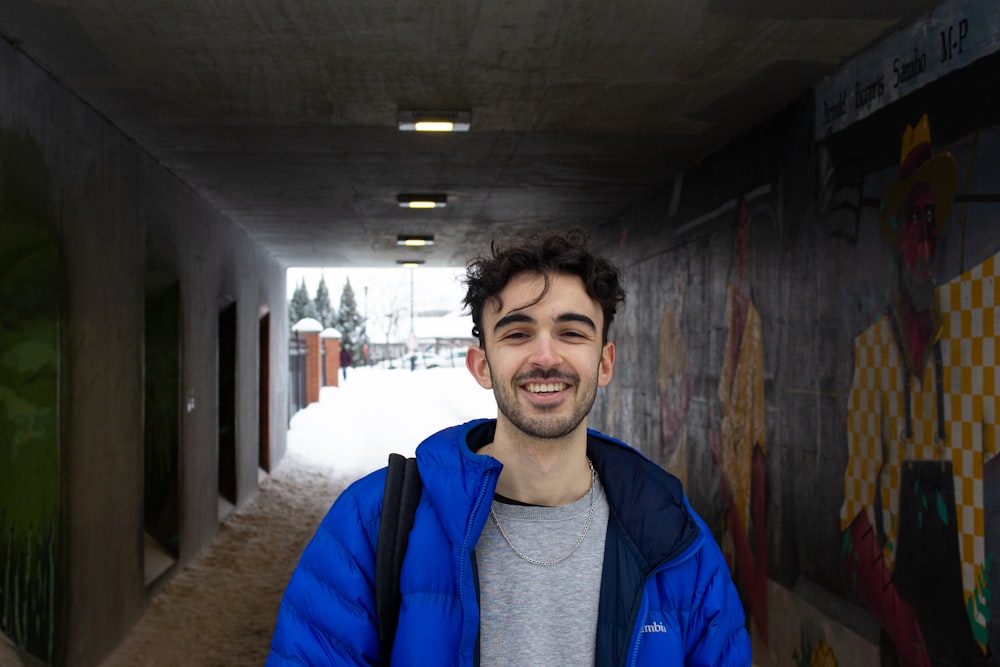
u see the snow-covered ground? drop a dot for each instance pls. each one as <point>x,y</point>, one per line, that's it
<point>377,411</point>
<point>220,609</point>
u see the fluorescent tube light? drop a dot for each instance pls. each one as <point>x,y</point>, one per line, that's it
<point>434,121</point>
<point>414,241</point>
<point>422,201</point>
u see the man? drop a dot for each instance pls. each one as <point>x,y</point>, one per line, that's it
<point>921,427</point>
<point>345,360</point>
<point>536,541</point>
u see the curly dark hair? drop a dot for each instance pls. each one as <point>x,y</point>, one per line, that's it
<point>546,254</point>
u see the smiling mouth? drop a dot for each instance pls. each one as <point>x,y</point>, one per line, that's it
<point>545,387</point>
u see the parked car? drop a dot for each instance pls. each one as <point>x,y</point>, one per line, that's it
<point>457,357</point>
<point>414,360</point>
<point>454,358</point>
<point>431,360</point>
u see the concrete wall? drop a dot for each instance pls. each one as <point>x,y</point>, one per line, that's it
<point>118,217</point>
<point>756,400</point>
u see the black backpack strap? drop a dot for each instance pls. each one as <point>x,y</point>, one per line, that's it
<point>399,505</point>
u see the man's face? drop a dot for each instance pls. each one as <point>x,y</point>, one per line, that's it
<point>543,361</point>
<point>916,239</point>
<point>915,246</point>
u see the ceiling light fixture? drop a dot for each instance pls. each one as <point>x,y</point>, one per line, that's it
<point>409,263</point>
<point>415,240</point>
<point>422,201</point>
<point>434,121</point>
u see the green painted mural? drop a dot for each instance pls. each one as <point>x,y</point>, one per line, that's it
<point>29,399</point>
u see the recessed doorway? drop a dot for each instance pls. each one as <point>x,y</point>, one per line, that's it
<point>227,410</point>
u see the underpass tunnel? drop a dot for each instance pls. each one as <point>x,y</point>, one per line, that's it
<point>810,344</point>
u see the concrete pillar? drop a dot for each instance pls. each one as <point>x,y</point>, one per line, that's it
<point>331,350</point>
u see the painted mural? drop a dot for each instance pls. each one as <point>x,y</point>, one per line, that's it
<point>29,414</point>
<point>673,381</point>
<point>740,445</point>
<point>921,428</point>
<point>814,653</point>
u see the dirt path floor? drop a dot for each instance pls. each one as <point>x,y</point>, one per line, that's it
<point>220,610</point>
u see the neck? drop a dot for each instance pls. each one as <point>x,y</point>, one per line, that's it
<point>550,472</point>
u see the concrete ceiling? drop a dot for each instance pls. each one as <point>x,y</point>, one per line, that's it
<point>282,113</point>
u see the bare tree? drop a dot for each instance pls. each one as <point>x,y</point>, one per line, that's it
<point>390,306</point>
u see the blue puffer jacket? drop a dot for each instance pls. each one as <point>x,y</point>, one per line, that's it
<point>666,594</point>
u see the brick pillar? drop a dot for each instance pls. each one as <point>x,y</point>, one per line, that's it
<point>314,370</point>
<point>331,347</point>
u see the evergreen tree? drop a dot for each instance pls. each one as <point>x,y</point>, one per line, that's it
<point>351,325</point>
<point>324,310</point>
<point>300,305</point>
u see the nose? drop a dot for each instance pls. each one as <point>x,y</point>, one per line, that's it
<point>923,250</point>
<point>924,245</point>
<point>544,353</point>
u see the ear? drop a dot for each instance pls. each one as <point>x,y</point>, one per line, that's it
<point>476,362</point>
<point>606,370</point>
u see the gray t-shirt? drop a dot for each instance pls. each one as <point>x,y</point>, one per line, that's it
<point>541,615</point>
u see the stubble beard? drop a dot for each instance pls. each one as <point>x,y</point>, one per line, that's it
<point>545,427</point>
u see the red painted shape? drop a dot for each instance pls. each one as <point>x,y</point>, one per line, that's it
<point>750,562</point>
<point>872,579</point>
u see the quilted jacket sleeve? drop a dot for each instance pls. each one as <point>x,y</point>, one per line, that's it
<point>717,634</point>
<point>327,615</point>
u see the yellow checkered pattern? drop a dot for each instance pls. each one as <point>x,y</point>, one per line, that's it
<point>876,426</point>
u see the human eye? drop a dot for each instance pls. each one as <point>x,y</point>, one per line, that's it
<point>514,335</point>
<point>576,334</point>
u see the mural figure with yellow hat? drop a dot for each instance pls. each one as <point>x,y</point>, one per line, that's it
<point>921,424</point>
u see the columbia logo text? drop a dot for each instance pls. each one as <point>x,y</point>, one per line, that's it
<point>655,626</point>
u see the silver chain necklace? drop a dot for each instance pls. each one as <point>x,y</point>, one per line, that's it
<point>579,542</point>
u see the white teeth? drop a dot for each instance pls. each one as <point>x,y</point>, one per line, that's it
<point>536,388</point>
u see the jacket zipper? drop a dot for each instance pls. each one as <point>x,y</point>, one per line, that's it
<point>468,536</point>
<point>642,622</point>
<point>644,616</point>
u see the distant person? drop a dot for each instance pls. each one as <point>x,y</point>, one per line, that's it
<point>345,361</point>
<point>536,541</point>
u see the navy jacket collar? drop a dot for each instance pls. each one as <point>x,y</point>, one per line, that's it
<point>647,501</point>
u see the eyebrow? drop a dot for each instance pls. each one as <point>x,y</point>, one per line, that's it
<point>517,318</point>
